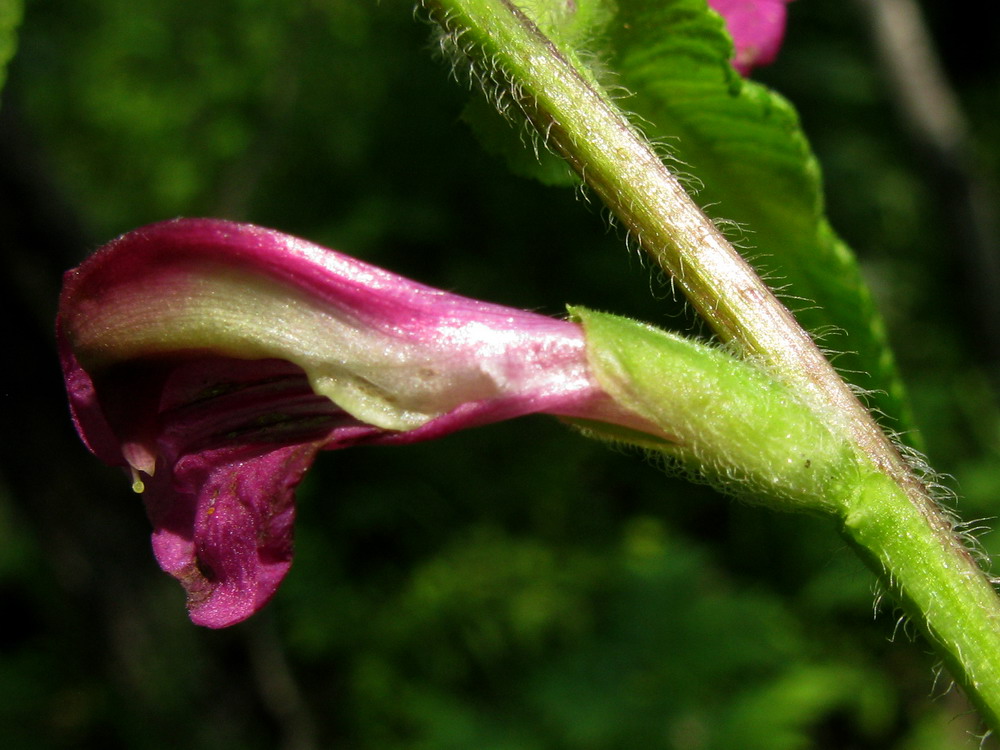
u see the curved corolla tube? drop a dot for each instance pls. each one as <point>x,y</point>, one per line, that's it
<point>213,360</point>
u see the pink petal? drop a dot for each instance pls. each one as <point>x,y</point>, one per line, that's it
<point>757,28</point>
<point>223,526</point>
<point>215,359</point>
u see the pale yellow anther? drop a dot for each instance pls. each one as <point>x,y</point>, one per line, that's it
<point>138,486</point>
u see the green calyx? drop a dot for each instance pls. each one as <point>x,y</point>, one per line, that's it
<point>736,426</point>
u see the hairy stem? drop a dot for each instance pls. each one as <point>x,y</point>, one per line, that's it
<point>936,580</point>
<point>887,512</point>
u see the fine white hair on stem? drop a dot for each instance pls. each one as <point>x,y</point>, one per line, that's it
<point>738,233</point>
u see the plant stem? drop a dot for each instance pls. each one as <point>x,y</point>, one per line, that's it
<point>889,513</point>
<point>932,574</point>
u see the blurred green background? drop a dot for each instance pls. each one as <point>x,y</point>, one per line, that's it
<point>515,587</point>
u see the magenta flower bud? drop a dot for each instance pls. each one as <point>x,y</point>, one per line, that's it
<point>213,360</point>
<point>757,28</point>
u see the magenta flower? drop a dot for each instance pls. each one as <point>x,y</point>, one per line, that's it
<point>757,28</point>
<point>213,360</point>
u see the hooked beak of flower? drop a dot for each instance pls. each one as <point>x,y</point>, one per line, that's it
<point>213,360</point>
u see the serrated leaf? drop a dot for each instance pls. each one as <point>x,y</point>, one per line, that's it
<point>744,145</point>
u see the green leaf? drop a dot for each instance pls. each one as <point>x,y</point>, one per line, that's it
<point>10,17</point>
<point>744,145</point>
